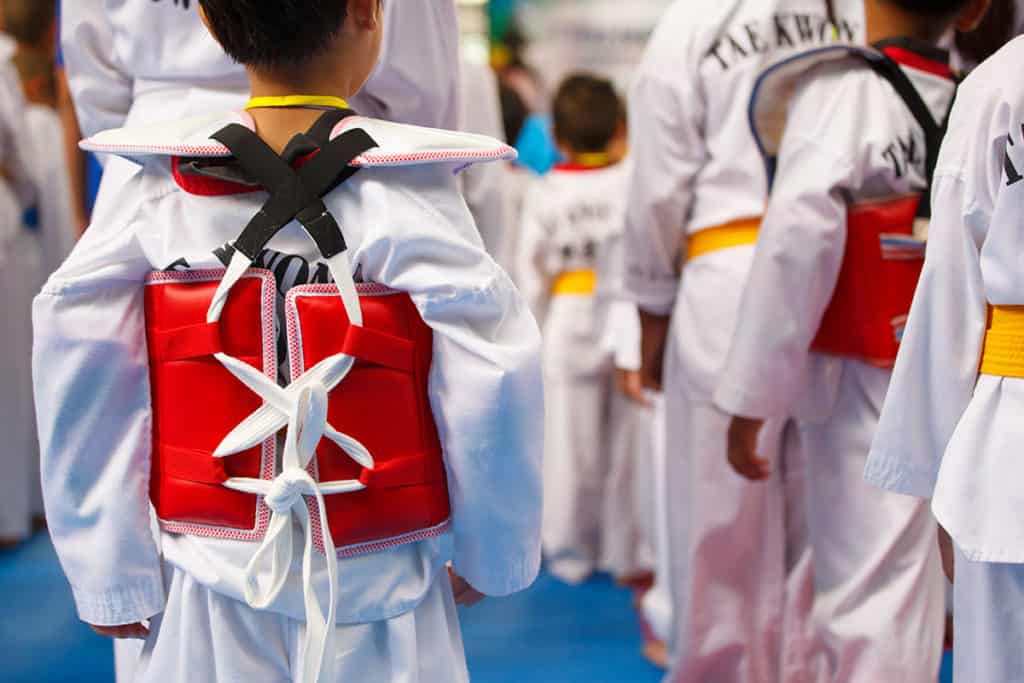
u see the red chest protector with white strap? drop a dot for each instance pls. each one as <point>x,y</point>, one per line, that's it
<point>217,409</point>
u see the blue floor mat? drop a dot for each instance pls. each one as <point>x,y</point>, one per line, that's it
<point>550,634</point>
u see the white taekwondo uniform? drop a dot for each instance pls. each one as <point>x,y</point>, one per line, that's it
<point>408,228</point>
<point>740,586</point>
<point>946,433</point>
<point>571,219</point>
<point>138,61</point>
<point>19,278</point>
<point>879,605</point>
<point>484,185</point>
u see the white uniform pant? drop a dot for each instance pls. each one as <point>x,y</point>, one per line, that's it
<point>20,280</point>
<point>880,596</point>
<point>205,637</point>
<point>988,622</point>
<point>657,603</point>
<point>590,519</point>
<point>741,574</point>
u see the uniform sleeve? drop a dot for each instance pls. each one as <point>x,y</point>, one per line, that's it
<point>484,184</point>
<point>667,151</point>
<point>91,379</point>
<point>416,79</point>
<point>796,265</point>
<point>100,87</point>
<point>937,367</point>
<point>532,243</point>
<point>485,383</point>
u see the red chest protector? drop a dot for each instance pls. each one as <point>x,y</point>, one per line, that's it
<point>881,267</point>
<point>382,403</point>
<point>352,438</point>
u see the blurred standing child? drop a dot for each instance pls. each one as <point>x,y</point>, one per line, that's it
<point>834,271</point>
<point>49,229</point>
<point>572,220</point>
<point>19,278</point>
<point>950,427</point>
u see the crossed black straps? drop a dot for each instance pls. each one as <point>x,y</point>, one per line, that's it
<point>296,194</point>
<point>934,131</point>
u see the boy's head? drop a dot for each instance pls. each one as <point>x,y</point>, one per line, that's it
<point>289,39</point>
<point>31,23</point>
<point>588,114</point>
<point>925,19</point>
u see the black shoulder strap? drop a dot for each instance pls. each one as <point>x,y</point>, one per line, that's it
<point>295,194</point>
<point>934,131</point>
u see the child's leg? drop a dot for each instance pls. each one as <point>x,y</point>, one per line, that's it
<point>623,549</point>
<point>879,607</point>
<point>729,621</point>
<point>988,622</point>
<point>573,474</point>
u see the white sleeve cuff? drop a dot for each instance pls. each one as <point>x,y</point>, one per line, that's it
<point>734,399</point>
<point>892,474</point>
<point>121,605</point>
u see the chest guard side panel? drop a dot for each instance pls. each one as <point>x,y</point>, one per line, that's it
<point>196,401</point>
<point>384,404</point>
<point>880,272</point>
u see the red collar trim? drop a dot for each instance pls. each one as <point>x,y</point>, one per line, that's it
<point>913,60</point>
<point>206,186</point>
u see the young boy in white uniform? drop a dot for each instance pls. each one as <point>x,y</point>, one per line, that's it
<point>949,429</point>
<point>740,575</point>
<point>571,219</point>
<point>116,315</point>
<point>821,319</point>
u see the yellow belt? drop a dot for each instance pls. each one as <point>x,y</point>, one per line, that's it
<point>735,234</point>
<point>575,282</point>
<point>1003,353</point>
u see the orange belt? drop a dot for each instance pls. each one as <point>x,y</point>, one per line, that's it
<point>575,282</point>
<point>1003,353</point>
<point>737,233</point>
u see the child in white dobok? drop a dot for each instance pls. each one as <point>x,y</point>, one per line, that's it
<point>572,224</point>
<point>950,427</point>
<point>306,525</point>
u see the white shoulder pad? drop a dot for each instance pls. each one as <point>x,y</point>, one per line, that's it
<point>769,103</point>
<point>398,144</point>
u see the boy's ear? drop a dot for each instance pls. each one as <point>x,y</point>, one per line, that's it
<point>972,15</point>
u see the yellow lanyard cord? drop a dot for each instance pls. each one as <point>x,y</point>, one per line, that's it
<point>311,101</point>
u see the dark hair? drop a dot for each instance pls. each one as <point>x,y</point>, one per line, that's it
<point>934,8</point>
<point>28,21</point>
<point>513,113</point>
<point>587,113</point>
<point>274,34</point>
<point>995,31</point>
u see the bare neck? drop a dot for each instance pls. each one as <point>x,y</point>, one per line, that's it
<point>885,20</point>
<point>277,126</point>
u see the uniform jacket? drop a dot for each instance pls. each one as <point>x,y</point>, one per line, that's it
<point>832,155</point>
<point>407,228</point>
<point>696,163</point>
<point>945,432</point>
